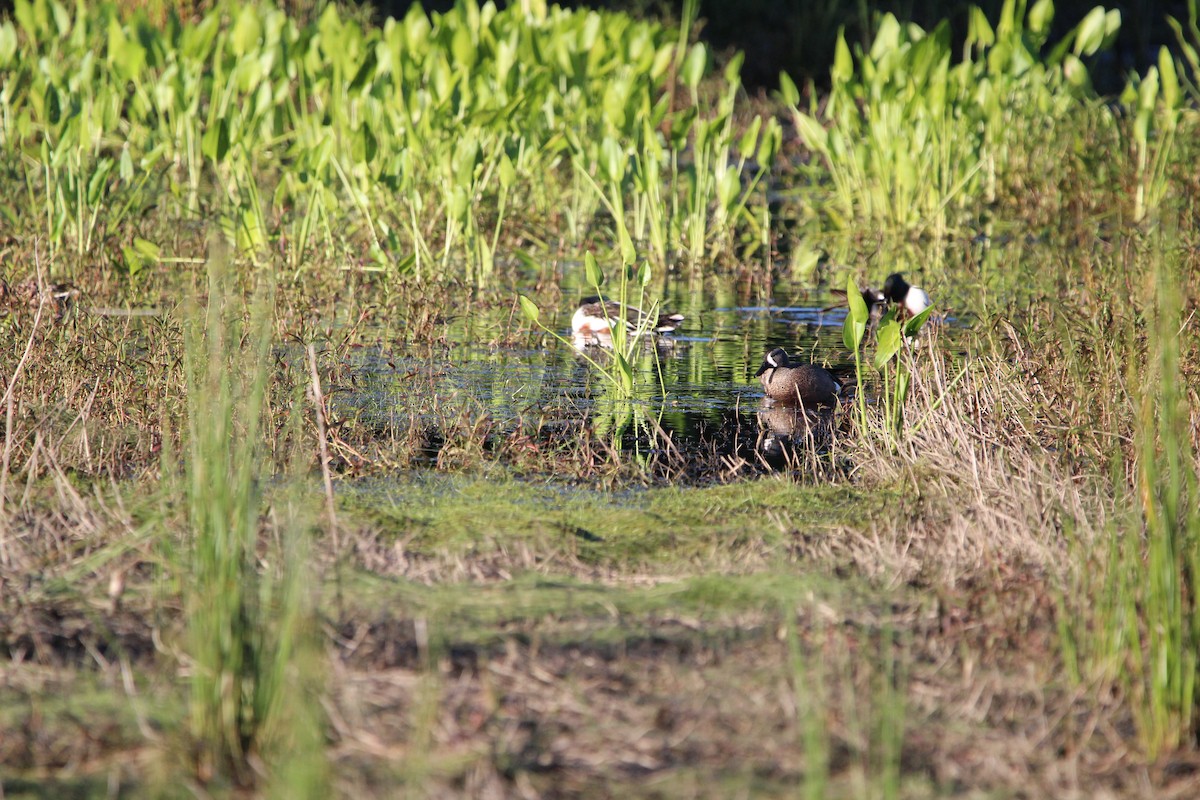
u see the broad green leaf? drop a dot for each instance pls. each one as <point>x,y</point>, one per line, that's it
<point>215,142</point>
<point>507,172</point>
<point>643,275</point>
<point>979,30</point>
<point>887,342</point>
<point>612,160</point>
<point>592,271</point>
<point>246,31</point>
<point>693,66</point>
<point>625,242</point>
<point>788,90</point>
<point>750,138</point>
<point>913,325</point>
<point>662,60</point>
<point>147,248</point>
<point>1096,31</point>
<point>772,140</point>
<point>1169,79</point>
<point>1040,17</point>
<point>815,136</point>
<point>843,64</point>
<point>624,370</point>
<point>734,67</point>
<point>855,326</point>
<point>529,308</point>
<point>8,42</point>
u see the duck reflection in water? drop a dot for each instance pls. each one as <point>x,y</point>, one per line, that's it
<point>786,431</point>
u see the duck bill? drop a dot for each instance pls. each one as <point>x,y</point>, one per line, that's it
<point>762,369</point>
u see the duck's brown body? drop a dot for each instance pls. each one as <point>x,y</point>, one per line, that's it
<point>797,384</point>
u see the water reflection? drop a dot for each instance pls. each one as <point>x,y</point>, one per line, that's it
<point>787,432</point>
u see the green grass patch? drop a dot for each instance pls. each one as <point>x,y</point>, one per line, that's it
<point>659,527</point>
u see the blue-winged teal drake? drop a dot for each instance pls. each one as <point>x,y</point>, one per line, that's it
<point>798,384</point>
<point>912,299</point>
<point>594,318</point>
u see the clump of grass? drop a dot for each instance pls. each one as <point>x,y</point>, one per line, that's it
<point>246,624</point>
<point>1139,625</point>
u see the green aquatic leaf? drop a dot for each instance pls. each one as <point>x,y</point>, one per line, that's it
<point>855,326</point>
<point>693,66</point>
<point>247,31</point>
<point>772,140</point>
<point>215,142</point>
<point>591,270</point>
<point>749,138</point>
<point>643,274</point>
<point>788,90</point>
<point>612,160</point>
<point>529,309</point>
<point>8,43</point>
<point>913,325</point>
<point>888,341</point>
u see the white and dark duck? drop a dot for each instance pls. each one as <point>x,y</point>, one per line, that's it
<point>912,300</point>
<point>593,320</point>
<point>807,385</point>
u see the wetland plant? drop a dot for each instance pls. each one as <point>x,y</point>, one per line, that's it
<point>1138,625</point>
<point>404,147</point>
<point>892,337</point>
<point>247,626</point>
<point>911,140</point>
<point>631,358</point>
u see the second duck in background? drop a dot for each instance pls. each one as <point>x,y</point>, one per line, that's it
<point>912,299</point>
<point>593,320</point>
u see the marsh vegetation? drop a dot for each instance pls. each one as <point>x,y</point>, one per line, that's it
<point>304,491</point>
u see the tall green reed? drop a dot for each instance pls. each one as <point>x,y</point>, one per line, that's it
<point>248,621</point>
<point>1138,622</point>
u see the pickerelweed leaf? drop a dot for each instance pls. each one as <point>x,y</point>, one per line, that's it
<point>915,323</point>
<point>529,308</point>
<point>855,326</point>
<point>592,271</point>
<point>887,342</point>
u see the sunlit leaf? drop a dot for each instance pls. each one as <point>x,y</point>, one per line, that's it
<point>787,90</point>
<point>507,172</point>
<point>215,142</point>
<point>1169,79</point>
<point>749,138</point>
<point>772,140</point>
<point>915,323</point>
<point>8,42</point>
<point>247,31</point>
<point>592,271</point>
<point>855,326</point>
<point>529,309</point>
<point>814,136</point>
<point>693,66</point>
<point>643,274</point>
<point>843,63</point>
<point>888,341</point>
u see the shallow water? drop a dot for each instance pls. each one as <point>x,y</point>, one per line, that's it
<point>708,367</point>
